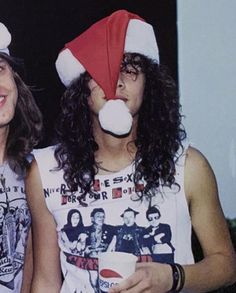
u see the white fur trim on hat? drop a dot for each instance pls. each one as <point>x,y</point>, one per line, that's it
<point>115,117</point>
<point>68,67</point>
<point>5,39</point>
<point>140,38</point>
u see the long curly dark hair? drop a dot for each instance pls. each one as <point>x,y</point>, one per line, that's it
<point>159,131</point>
<point>25,129</point>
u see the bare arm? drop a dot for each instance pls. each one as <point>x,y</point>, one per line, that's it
<point>218,268</point>
<point>47,273</point>
<point>28,266</point>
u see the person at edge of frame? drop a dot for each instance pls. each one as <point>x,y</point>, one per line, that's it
<point>20,131</point>
<point>121,146</point>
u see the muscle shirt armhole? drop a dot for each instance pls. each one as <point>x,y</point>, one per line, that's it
<point>180,169</point>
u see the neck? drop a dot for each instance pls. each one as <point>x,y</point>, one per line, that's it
<point>114,153</point>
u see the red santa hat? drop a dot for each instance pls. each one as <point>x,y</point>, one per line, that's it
<point>100,49</point>
<point>5,39</point>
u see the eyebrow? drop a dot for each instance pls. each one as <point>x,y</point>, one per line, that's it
<point>3,60</point>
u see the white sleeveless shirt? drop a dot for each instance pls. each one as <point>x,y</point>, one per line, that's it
<point>113,220</point>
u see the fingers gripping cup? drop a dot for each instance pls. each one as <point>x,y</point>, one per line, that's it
<point>114,267</point>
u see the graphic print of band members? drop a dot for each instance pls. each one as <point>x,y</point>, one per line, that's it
<point>157,237</point>
<point>101,236</point>
<point>129,235</point>
<point>87,242</point>
<point>73,233</point>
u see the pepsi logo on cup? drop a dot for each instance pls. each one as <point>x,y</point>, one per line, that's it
<point>108,278</point>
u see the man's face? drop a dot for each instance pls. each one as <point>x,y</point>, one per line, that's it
<point>129,218</point>
<point>99,218</point>
<point>154,219</point>
<point>8,93</point>
<point>130,88</point>
<point>75,218</point>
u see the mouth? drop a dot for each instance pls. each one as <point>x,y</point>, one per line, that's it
<point>2,99</point>
<point>121,98</point>
<point>117,98</point>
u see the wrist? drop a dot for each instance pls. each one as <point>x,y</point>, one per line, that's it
<point>178,278</point>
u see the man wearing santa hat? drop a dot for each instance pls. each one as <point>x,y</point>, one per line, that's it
<point>121,145</point>
<point>20,130</point>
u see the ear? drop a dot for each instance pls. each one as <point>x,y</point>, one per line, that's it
<point>90,103</point>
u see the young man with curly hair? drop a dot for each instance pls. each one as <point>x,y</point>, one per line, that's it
<point>121,147</point>
<point>20,131</point>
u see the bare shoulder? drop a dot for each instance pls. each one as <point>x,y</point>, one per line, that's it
<point>34,189</point>
<point>33,178</point>
<point>199,176</point>
<point>195,159</point>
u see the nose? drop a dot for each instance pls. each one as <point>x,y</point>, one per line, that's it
<point>120,82</point>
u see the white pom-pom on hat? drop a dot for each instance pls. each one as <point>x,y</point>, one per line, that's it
<point>5,39</point>
<point>115,117</point>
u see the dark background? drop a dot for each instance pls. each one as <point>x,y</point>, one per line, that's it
<point>41,28</point>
